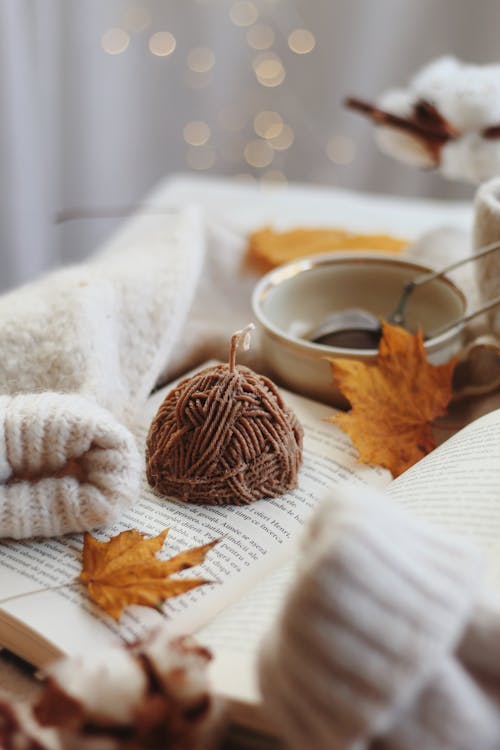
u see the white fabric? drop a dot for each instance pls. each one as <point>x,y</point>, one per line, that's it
<point>366,645</point>
<point>221,304</point>
<point>81,351</point>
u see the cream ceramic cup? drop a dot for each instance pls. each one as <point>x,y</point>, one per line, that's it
<point>293,299</point>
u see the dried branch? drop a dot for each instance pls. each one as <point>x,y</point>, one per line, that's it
<point>425,123</point>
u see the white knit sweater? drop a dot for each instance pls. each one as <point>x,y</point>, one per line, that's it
<point>81,350</point>
<point>386,639</point>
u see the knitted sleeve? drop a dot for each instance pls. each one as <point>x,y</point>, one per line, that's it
<point>65,464</point>
<point>379,604</point>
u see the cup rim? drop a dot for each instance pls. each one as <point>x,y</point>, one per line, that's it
<point>278,275</point>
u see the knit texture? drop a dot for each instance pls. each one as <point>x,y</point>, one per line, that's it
<point>67,461</point>
<point>486,231</point>
<point>105,329</point>
<point>452,712</point>
<point>96,334</point>
<point>380,602</point>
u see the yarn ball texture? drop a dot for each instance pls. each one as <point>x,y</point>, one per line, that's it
<point>224,436</point>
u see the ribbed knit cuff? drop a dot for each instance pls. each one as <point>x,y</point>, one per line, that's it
<point>453,712</point>
<point>73,466</point>
<point>486,231</point>
<point>379,601</point>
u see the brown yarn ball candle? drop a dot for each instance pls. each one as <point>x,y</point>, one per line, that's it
<point>224,436</point>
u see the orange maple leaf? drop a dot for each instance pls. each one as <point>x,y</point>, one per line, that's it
<point>125,570</point>
<point>394,400</point>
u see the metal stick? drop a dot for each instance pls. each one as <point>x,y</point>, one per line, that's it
<point>465,319</point>
<point>397,317</point>
<point>424,278</point>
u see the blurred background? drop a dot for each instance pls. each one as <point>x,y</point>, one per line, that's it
<point>101,99</point>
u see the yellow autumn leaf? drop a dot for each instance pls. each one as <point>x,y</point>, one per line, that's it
<point>393,400</point>
<point>126,570</point>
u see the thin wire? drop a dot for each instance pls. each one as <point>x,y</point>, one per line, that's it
<point>397,317</point>
<point>486,250</point>
<point>465,318</point>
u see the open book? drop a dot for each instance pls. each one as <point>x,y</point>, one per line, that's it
<point>457,487</point>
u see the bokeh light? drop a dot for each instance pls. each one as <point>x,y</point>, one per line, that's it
<point>269,69</point>
<point>201,59</point>
<point>196,133</point>
<point>301,41</point>
<point>341,149</point>
<point>115,41</point>
<point>251,109</point>
<point>283,140</point>
<point>162,43</point>
<point>260,37</point>
<point>268,124</point>
<point>258,153</point>
<point>243,13</point>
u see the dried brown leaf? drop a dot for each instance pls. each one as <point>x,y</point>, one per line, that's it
<point>394,400</point>
<point>125,570</point>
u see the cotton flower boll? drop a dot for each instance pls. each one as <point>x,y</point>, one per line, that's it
<point>398,101</point>
<point>471,157</point>
<point>108,686</point>
<point>466,95</point>
<point>443,115</point>
<point>123,693</point>
<point>20,731</point>
<point>435,78</point>
<point>404,147</point>
<point>472,100</point>
<point>396,143</point>
<point>179,665</point>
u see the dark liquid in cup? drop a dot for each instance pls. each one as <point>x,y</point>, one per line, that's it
<point>351,338</point>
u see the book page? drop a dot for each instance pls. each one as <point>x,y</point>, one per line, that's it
<point>457,486</point>
<point>255,539</point>
<point>235,635</point>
